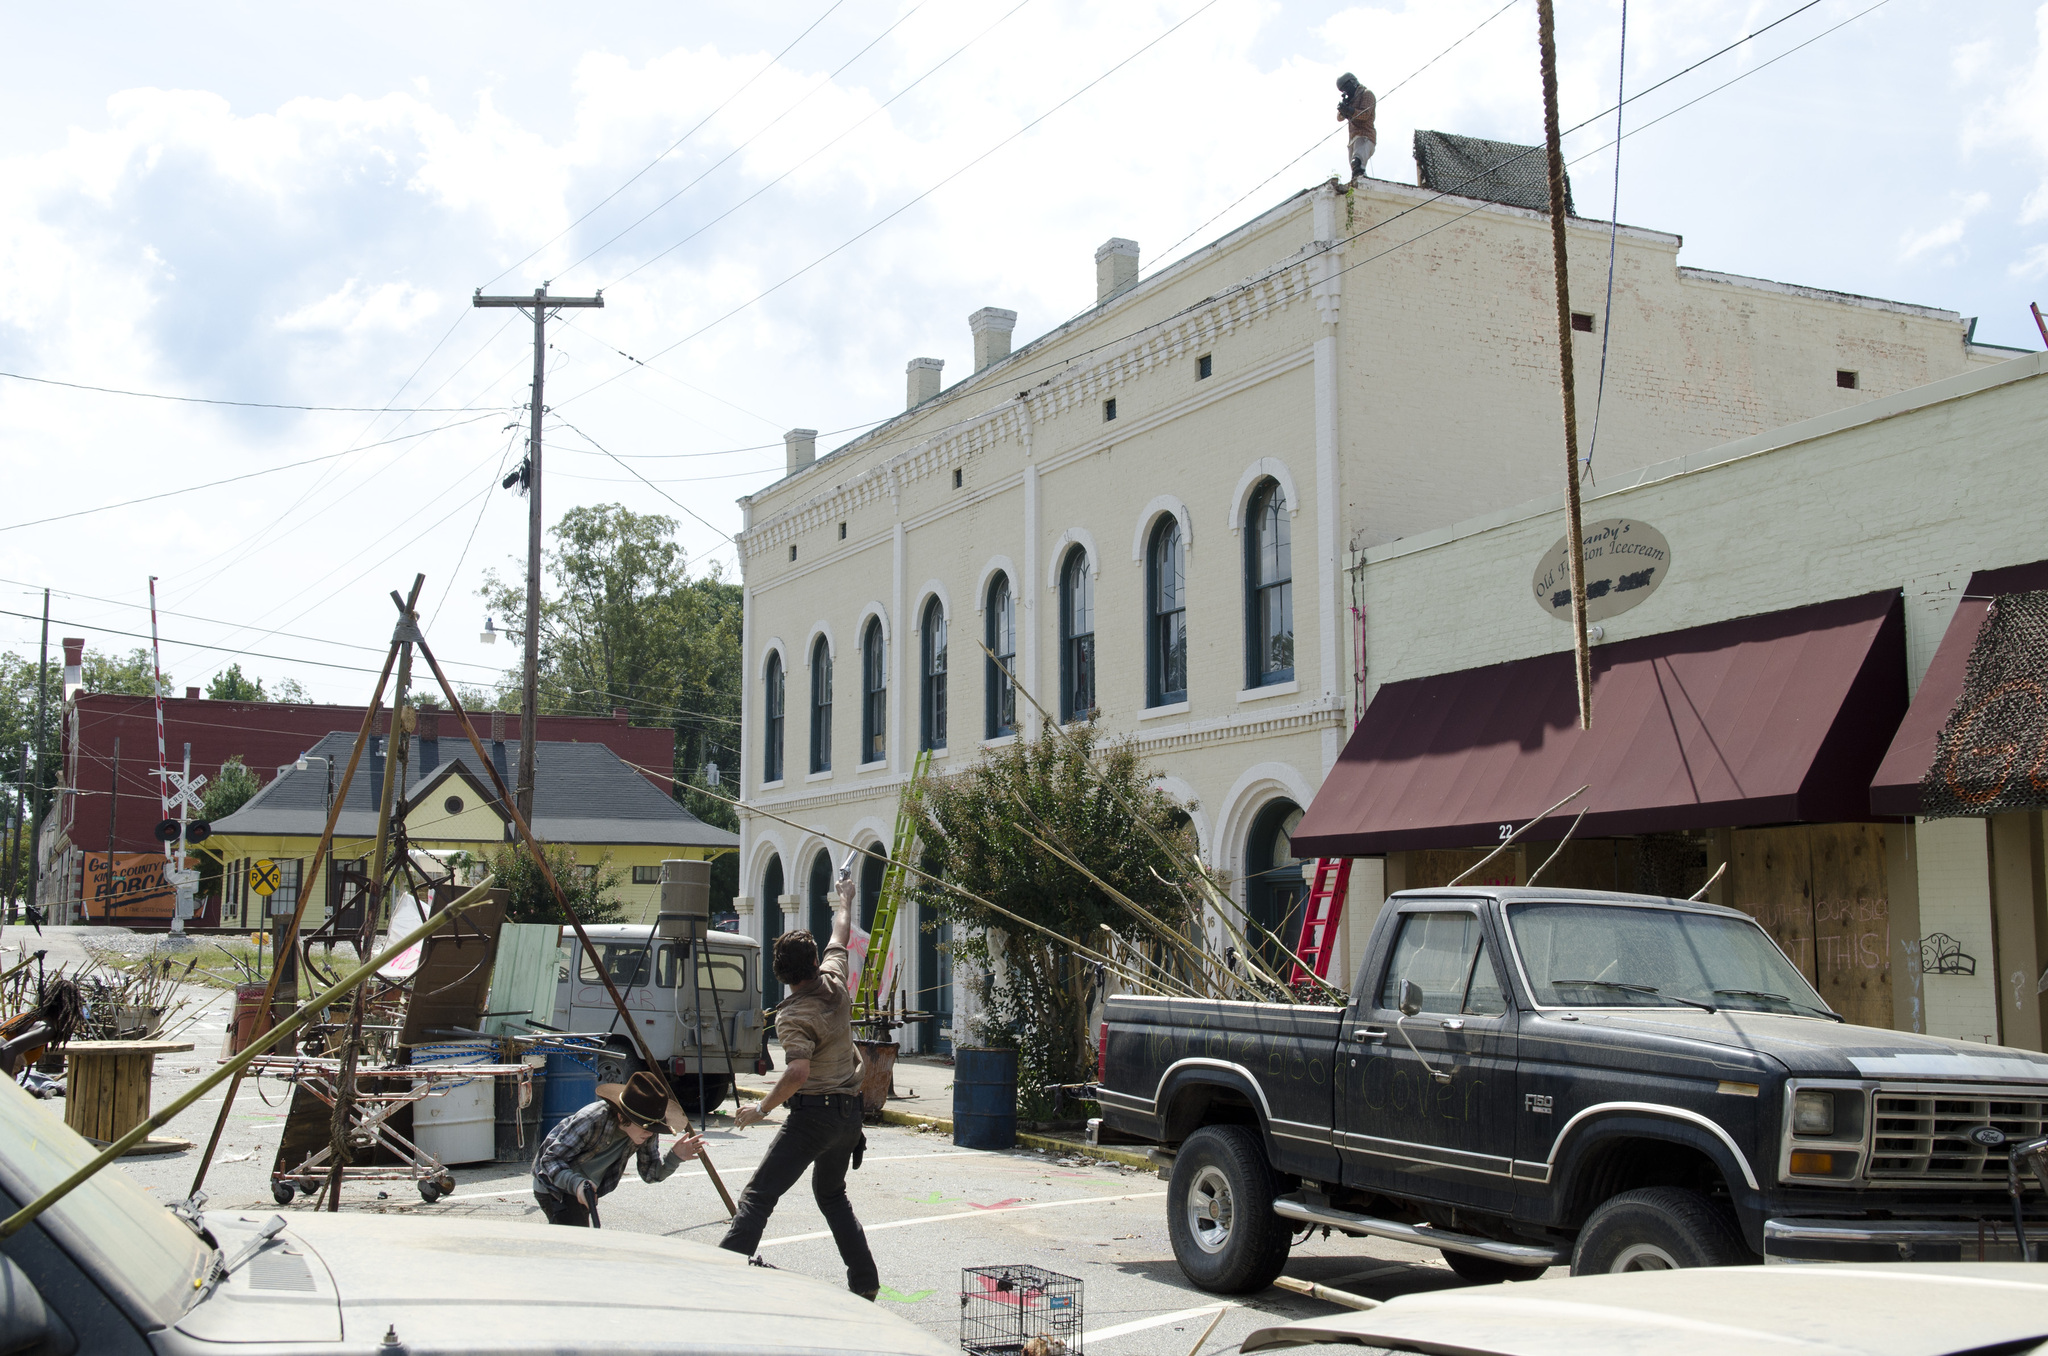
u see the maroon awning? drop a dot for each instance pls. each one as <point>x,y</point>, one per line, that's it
<point>1895,790</point>
<point>1770,719</point>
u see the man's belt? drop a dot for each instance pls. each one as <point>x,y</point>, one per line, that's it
<point>825,1099</point>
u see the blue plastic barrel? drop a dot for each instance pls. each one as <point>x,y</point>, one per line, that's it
<point>571,1085</point>
<point>985,1099</point>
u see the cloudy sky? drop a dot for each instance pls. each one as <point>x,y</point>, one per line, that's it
<point>292,205</point>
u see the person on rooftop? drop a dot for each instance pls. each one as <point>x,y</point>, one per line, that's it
<point>1357,107</point>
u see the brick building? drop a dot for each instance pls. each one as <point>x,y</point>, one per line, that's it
<point>267,736</point>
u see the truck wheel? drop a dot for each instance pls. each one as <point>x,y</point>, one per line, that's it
<point>1659,1229</point>
<point>717,1087</point>
<point>1487,1270</point>
<point>1219,1212</point>
<point>616,1066</point>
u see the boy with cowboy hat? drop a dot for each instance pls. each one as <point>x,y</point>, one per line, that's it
<point>584,1157</point>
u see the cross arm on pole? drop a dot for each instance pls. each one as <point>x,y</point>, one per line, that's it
<point>540,297</point>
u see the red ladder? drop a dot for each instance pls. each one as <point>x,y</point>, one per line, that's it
<point>1319,919</point>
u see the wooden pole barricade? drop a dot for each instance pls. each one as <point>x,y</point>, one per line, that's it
<point>288,944</point>
<point>540,860</point>
<point>234,1067</point>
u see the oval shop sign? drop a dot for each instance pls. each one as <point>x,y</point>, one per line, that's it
<point>1625,562</point>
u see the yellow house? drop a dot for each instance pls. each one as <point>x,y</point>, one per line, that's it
<point>585,798</point>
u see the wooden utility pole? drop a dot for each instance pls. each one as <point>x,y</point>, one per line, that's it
<point>1575,546</point>
<point>540,305</point>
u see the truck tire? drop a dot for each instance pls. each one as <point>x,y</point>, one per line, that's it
<point>1219,1212</point>
<point>1659,1229</point>
<point>1487,1270</point>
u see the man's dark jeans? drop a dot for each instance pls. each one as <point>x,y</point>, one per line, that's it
<point>818,1133</point>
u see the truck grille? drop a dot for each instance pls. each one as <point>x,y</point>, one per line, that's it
<point>1923,1134</point>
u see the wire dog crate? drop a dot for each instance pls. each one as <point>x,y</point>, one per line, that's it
<point>1019,1311</point>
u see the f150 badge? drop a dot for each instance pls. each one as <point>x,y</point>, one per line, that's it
<point>1536,1102</point>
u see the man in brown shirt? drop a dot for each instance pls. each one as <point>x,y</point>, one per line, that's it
<point>1357,108</point>
<point>821,1083</point>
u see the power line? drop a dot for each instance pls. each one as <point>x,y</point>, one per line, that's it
<point>216,621</point>
<point>249,475</point>
<point>1613,240</point>
<point>788,109</point>
<point>1317,145</point>
<point>871,115</point>
<point>920,197</point>
<point>191,644</point>
<point>480,511</point>
<point>239,404</point>
<point>723,534</point>
<point>768,66</point>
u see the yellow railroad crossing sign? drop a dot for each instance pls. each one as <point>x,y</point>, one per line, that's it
<point>264,877</point>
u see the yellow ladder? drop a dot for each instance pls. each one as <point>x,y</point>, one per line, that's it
<point>868,997</point>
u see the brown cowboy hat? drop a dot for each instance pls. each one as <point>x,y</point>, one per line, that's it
<point>645,1098</point>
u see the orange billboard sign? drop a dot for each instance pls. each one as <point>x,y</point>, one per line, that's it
<point>137,887</point>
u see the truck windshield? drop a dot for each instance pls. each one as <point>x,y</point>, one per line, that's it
<point>108,1224</point>
<point>1614,956</point>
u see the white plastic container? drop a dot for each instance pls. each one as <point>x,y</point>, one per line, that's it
<point>457,1123</point>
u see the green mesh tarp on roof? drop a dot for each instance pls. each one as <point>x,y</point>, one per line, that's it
<point>1992,756</point>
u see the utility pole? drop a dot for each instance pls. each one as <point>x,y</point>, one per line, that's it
<point>540,306</point>
<point>35,843</point>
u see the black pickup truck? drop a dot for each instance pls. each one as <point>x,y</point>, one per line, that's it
<point>1525,1077</point>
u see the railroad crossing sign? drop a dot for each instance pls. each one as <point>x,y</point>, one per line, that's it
<point>264,877</point>
<point>182,790</point>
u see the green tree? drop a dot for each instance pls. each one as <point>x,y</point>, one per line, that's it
<point>229,790</point>
<point>292,690</point>
<point>1088,796</point>
<point>17,733</point>
<point>131,675</point>
<point>230,686</point>
<point>625,625</point>
<point>592,891</point>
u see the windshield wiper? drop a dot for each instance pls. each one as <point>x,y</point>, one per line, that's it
<point>222,1269</point>
<point>1780,998</point>
<point>1630,988</point>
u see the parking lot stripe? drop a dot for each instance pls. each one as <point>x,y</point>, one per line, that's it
<point>1140,1324</point>
<point>964,1214</point>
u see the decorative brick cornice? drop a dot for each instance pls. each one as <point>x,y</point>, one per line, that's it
<point>1309,274</point>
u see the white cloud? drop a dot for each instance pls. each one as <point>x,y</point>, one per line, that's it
<point>354,310</point>
<point>1914,244</point>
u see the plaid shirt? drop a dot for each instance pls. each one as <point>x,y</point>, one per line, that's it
<point>590,1131</point>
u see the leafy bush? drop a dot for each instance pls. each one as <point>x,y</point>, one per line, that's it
<point>1087,796</point>
<point>593,891</point>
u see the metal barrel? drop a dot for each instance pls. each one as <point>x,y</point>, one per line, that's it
<point>985,1098</point>
<point>519,1132</point>
<point>571,1085</point>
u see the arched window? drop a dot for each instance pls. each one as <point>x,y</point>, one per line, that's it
<point>1001,623</point>
<point>818,898</point>
<point>1077,638</point>
<point>1274,890</point>
<point>872,865</point>
<point>932,683</point>
<point>1166,632</point>
<point>874,693</point>
<point>771,737</point>
<point>821,706</point>
<point>772,890</point>
<point>1268,589</point>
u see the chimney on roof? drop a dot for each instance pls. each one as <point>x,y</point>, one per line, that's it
<point>1116,266</point>
<point>191,694</point>
<point>922,381</point>
<point>991,326</point>
<point>801,447</point>
<point>74,666</point>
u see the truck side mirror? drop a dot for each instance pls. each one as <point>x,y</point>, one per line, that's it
<point>26,1325</point>
<point>1411,998</point>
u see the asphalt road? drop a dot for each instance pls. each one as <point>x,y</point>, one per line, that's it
<point>930,1209</point>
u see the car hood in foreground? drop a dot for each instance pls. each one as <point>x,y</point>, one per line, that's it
<point>1818,1048</point>
<point>1898,1309</point>
<point>483,1287</point>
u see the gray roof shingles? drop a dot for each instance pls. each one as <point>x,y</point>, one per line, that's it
<point>583,793</point>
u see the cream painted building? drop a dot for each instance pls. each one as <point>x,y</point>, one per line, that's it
<point>1825,585</point>
<point>1345,370</point>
